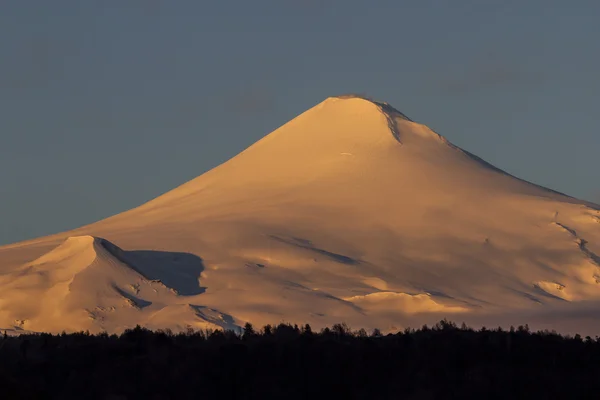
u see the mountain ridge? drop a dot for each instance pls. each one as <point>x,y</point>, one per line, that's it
<point>350,212</point>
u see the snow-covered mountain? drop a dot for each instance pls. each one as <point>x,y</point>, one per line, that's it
<point>351,212</point>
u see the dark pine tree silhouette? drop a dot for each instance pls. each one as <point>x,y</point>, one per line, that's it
<point>288,362</point>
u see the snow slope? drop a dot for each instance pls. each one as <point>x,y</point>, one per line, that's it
<point>351,212</point>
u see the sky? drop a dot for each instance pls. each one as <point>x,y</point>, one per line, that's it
<point>107,104</point>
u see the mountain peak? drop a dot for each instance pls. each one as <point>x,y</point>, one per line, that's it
<point>384,107</point>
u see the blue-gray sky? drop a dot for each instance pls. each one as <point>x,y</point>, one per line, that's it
<point>107,104</point>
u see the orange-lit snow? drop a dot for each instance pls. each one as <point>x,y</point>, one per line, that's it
<point>348,213</point>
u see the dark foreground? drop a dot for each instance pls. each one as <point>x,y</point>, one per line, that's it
<point>287,362</point>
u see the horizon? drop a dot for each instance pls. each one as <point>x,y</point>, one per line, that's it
<point>108,106</point>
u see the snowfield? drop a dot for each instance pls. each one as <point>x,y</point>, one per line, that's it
<point>351,212</point>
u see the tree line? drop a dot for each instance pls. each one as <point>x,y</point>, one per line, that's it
<point>287,361</point>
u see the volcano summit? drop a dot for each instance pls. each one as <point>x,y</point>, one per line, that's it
<point>351,212</point>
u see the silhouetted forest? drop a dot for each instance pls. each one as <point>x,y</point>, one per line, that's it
<point>291,362</point>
